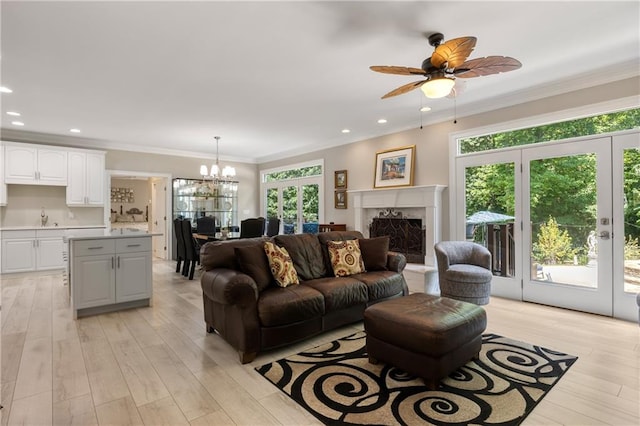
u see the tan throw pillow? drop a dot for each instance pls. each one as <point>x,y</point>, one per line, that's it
<point>345,257</point>
<point>281,265</point>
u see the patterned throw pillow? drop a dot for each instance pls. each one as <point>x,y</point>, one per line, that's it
<point>281,265</point>
<point>345,257</point>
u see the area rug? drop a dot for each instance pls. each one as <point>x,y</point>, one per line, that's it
<point>336,383</point>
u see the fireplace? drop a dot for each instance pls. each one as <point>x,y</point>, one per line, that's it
<point>422,203</point>
<point>406,235</point>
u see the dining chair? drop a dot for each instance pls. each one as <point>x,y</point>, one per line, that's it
<point>310,228</point>
<point>180,247</point>
<point>192,250</point>
<point>273,226</point>
<point>253,227</point>
<point>206,225</point>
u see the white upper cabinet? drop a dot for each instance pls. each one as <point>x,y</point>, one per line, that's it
<point>86,179</point>
<point>34,164</point>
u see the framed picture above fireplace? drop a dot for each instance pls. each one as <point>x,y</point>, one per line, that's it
<point>394,167</point>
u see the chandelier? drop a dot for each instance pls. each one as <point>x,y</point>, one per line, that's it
<point>225,174</point>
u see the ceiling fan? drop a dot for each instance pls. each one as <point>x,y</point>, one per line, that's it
<point>448,62</point>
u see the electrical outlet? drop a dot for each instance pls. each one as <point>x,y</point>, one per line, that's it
<point>71,215</point>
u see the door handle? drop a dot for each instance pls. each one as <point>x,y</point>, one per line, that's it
<point>604,235</point>
<point>118,262</point>
<point>113,263</point>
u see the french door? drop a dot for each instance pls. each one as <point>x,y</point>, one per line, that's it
<point>567,214</point>
<point>560,220</point>
<point>296,203</point>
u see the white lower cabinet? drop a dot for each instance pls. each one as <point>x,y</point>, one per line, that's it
<point>32,250</point>
<point>110,271</point>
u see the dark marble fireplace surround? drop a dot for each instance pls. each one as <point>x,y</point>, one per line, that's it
<point>406,235</point>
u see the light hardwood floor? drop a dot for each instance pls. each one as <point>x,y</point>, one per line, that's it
<point>158,365</point>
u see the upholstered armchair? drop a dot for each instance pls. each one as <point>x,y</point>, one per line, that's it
<point>464,271</point>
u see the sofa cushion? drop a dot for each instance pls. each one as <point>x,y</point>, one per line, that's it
<point>281,265</point>
<point>253,261</point>
<point>324,237</point>
<point>281,306</point>
<point>381,284</point>
<point>374,252</point>
<point>339,293</point>
<point>306,253</point>
<point>221,254</point>
<point>345,258</point>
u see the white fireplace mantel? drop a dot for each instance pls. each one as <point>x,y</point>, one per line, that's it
<point>428,197</point>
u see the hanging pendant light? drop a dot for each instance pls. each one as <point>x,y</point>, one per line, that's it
<point>217,174</point>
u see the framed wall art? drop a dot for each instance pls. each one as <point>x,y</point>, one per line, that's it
<point>340,199</point>
<point>340,179</point>
<point>394,167</point>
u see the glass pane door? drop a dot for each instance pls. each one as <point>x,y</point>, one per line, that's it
<point>310,211</point>
<point>489,212</point>
<point>290,209</point>
<point>567,225</point>
<point>626,207</point>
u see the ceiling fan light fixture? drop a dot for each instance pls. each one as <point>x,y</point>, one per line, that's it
<point>438,87</point>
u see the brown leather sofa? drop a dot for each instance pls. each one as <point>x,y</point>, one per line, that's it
<point>244,305</point>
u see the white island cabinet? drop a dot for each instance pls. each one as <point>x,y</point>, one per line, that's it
<point>110,273</point>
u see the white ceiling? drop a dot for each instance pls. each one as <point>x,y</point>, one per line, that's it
<point>279,78</point>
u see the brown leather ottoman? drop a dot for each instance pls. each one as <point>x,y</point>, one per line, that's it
<point>428,336</point>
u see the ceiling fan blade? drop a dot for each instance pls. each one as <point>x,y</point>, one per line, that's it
<point>404,89</point>
<point>487,66</point>
<point>453,52</point>
<point>397,70</point>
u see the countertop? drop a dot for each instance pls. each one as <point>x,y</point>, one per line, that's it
<point>30,228</point>
<point>114,233</point>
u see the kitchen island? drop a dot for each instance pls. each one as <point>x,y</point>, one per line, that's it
<point>110,272</point>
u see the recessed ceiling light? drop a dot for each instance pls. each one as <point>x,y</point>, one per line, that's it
<point>382,121</point>
<point>17,123</point>
<point>13,113</point>
<point>346,131</point>
<point>5,90</point>
<point>74,130</point>
<point>425,109</point>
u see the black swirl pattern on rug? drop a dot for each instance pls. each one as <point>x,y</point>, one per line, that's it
<point>336,383</point>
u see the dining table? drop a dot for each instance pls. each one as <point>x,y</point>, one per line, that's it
<point>218,236</point>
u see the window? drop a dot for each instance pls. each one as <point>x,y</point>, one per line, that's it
<point>594,125</point>
<point>292,193</point>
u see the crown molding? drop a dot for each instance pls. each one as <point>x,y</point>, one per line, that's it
<point>88,143</point>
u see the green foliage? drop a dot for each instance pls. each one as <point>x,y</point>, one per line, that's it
<point>632,193</point>
<point>631,249</point>
<point>294,173</point>
<point>621,120</point>
<point>553,245</point>
<point>490,187</point>
<point>563,188</point>
<point>309,195</point>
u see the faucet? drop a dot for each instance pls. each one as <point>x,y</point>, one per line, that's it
<point>43,218</point>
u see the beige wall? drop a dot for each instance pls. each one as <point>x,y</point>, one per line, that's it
<point>432,161</point>
<point>25,203</point>
<point>432,145</point>
<point>187,167</point>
